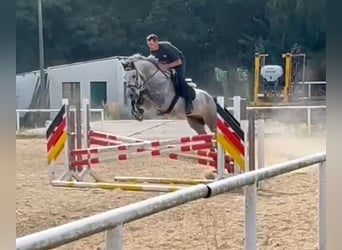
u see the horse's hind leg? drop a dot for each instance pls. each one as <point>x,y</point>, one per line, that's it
<point>197,124</point>
<point>211,121</point>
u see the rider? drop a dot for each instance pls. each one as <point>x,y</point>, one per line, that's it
<point>171,57</point>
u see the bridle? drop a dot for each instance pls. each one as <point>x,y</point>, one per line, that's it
<point>138,88</point>
<point>137,85</point>
<point>136,97</point>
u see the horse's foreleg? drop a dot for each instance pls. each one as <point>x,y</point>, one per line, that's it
<point>136,110</point>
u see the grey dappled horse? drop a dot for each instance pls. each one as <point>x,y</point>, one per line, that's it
<point>151,88</point>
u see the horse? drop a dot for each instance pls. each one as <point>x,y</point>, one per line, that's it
<point>151,88</point>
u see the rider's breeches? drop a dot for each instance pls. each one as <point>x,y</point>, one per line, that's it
<point>181,80</point>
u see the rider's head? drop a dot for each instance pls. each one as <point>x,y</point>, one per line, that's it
<point>152,41</point>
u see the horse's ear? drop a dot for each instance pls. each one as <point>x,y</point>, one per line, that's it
<point>124,64</point>
<point>127,65</point>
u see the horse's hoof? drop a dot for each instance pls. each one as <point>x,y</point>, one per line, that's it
<point>139,117</point>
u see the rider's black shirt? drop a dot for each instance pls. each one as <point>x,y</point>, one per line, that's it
<point>167,53</point>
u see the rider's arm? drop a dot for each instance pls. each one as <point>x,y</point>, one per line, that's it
<point>174,63</point>
<point>174,58</point>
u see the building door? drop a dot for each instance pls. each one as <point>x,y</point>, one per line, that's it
<point>98,94</point>
<point>72,92</point>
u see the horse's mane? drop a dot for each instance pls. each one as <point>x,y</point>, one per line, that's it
<point>137,57</point>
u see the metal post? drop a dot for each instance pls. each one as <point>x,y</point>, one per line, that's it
<point>221,161</point>
<point>85,131</point>
<point>322,206</point>
<point>250,199</point>
<point>250,217</point>
<point>237,107</point>
<point>85,123</point>
<point>18,122</point>
<point>304,67</point>
<point>78,130</point>
<point>41,44</point>
<point>251,140</point>
<point>78,119</point>
<point>260,146</point>
<point>309,90</point>
<point>114,238</point>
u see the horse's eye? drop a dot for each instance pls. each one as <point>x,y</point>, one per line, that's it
<point>134,76</point>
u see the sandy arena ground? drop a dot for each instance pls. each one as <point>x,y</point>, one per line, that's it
<point>287,206</point>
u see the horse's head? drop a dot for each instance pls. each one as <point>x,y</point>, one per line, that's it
<point>133,79</point>
<point>137,74</point>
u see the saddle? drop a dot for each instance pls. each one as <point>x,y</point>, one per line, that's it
<point>178,90</point>
<point>174,79</point>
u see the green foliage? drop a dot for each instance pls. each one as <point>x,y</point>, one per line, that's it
<point>211,33</point>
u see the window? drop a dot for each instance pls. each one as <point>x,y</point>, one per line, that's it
<point>98,94</point>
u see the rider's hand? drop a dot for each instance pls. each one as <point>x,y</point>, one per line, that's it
<point>163,67</point>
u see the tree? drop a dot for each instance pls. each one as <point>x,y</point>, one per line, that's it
<point>211,33</point>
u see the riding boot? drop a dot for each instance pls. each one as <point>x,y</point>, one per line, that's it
<point>188,107</point>
<point>187,100</point>
<point>184,88</point>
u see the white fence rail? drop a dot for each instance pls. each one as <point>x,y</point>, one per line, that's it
<point>308,112</point>
<point>101,111</point>
<point>310,83</point>
<point>112,221</point>
<point>19,111</point>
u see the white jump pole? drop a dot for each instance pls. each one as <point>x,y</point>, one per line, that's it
<point>237,107</point>
<point>85,123</point>
<point>237,115</point>
<point>221,161</point>
<point>66,145</point>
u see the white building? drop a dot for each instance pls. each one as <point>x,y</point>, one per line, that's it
<point>25,87</point>
<point>99,81</point>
